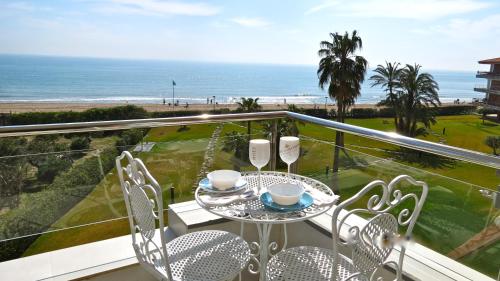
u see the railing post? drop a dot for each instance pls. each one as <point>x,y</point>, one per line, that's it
<point>274,144</point>
<point>172,195</point>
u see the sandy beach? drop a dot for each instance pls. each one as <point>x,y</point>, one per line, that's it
<point>6,107</point>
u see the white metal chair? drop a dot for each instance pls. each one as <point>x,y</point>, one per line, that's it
<point>370,244</point>
<point>203,255</point>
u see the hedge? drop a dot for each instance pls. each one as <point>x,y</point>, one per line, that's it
<point>389,112</point>
<point>94,114</point>
<point>135,112</point>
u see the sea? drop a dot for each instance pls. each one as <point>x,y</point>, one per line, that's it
<point>48,79</point>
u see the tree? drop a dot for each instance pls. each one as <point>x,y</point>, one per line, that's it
<point>249,105</point>
<point>13,167</point>
<point>42,145</point>
<point>493,142</point>
<point>342,72</point>
<point>388,78</point>
<point>418,91</point>
<point>236,142</point>
<point>52,166</point>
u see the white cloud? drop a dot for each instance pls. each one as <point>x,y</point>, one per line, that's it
<point>487,27</point>
<point>410,9</point>
<point>23,7</point>
<point>156,7</point>
<point>251,22</point>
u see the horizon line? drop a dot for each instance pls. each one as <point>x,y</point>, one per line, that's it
<point>196,61</point>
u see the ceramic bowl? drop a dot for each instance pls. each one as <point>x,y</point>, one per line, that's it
<point>285,193</point>
<point>223,179</point>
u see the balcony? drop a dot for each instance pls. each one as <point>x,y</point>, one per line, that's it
<point>73,225</point>
<point>488,75</point>
<point>485,89</point>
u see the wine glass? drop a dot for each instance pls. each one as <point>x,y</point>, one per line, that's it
<point>259,152</point>
<point>289,151</point>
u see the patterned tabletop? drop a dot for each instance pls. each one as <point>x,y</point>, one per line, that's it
<point>253,211</point>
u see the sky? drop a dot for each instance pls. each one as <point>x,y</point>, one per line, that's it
<point>438,34</point>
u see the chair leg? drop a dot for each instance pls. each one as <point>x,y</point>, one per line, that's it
<point>242,227</point>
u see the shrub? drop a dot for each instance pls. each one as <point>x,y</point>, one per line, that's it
<point>52,166</point>
<point>386,112</point>
<point>129,138</point>
<point>316,112</point>
<point>456,110</point>
<point>132,136</point>
<point>80,143</point>
<point>94,114</point>
<point>40,210</point>
<point>364,113</point>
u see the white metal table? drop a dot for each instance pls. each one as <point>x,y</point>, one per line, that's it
<point>253,211</point>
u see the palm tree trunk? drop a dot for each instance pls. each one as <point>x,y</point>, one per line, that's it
<point>249,129</point>
<point>393,104</point>
<point>338,138</point>
<point>339,142</point>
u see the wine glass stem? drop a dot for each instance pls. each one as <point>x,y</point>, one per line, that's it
<point>259,186</point>
<point>288,172</point>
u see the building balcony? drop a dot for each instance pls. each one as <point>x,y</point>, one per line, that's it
<point>70,222</point>
<point>488,75</point>
<point>485,89</point>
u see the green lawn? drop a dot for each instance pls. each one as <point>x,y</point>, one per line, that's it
<point>454,209</point>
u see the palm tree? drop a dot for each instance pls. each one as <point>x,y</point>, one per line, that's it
<point>388,78</point>
<point>249,105</point>
<point>418,92</point>
<point>342,72</point>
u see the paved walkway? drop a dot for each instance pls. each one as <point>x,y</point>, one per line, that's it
<point>144,147</point>
<point>209,156</point>
<point>484,238</point>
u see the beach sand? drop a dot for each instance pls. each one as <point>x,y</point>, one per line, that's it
<point>6,107</point>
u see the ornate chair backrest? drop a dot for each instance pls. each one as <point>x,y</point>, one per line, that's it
<point>143,200</point>
<point>372,243</point>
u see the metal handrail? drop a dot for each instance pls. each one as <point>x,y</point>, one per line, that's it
<point>77,127</point>
<point>387,137</point>
<point>397,139</point>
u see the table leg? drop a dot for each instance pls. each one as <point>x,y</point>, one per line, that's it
<point>263,250</point>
